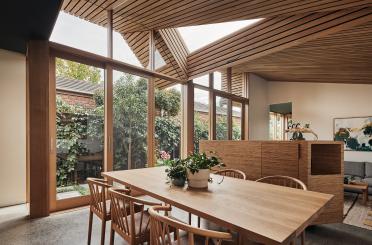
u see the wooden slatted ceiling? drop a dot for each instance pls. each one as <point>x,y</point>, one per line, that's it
<point>272,35</point>
<point>343,57</point>
<point>142,15</point>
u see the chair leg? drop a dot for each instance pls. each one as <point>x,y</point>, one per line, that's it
<point>303,238</point>
<point>103,232</point>
<point>112,237</point>
<point>90,227</point>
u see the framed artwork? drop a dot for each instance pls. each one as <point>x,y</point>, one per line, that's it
<point>355,132</point>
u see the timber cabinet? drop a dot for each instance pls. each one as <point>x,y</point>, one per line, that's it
<point>319,164</point>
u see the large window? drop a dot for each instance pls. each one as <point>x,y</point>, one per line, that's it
<point>201,117</point>
<point>79,127</point>
<point>129,121</point>
<point>236,120</point>
<point>168,123</point>
<point>221,118</point>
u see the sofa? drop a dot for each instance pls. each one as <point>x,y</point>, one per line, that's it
<point>359,171</point>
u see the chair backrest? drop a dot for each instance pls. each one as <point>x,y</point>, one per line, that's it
<point>128,214</point>
<point>284,181</point>
<point>234,173</point>
<point>162,226</point>
<point>98,195</point>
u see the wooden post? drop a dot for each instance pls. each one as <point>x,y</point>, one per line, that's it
<point>245,94</point>
<point>212,109</point>
<point>108,135</point>
<point>110,49</point>
<point>151,159</point>
<point>229,103</point>
<point>187,127</point>
<point>40,143</point>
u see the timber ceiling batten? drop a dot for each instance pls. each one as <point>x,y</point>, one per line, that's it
<point>343,57</point>
<point>272,35</point>
<point>143,15</point>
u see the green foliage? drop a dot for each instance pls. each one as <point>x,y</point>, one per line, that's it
<point>200,130</point>
<point>196,161</point>
<point>130,122</point>
<point>168,134</point>
<point>176,169</point>
<point>74,70</point>
<point>168,102</point>
<point>72,128</point>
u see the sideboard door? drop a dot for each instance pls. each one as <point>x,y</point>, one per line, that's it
<point>280,158</point>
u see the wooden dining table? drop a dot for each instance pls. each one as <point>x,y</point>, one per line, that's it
<point>264,213</point>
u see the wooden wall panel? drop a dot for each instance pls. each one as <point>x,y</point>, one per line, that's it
<point>280,159</point>
<point>242,155</point>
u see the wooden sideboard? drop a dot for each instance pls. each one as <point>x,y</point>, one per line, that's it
<point>319,164</point>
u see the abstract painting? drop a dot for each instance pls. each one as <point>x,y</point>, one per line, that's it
<point>355,132</point>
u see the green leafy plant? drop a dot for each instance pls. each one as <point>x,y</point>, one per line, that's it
<point>196,161</point>
<point>176,169</point>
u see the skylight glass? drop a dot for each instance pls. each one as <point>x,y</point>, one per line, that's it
<point>197,37</point>
<point>75,32</point>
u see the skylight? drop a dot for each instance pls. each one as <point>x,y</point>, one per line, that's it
<point>197,37</point>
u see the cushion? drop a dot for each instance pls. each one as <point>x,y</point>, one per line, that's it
<point>355,168</point>
<point>368,169</point>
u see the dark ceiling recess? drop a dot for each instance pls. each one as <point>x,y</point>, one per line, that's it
<point>23,20</point>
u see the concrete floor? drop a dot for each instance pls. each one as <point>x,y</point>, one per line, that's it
<point>70,228</point>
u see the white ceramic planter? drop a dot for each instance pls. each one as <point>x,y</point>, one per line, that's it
<point>198,179</point>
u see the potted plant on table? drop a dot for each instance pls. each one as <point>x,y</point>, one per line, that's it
<point>198,169</point>
<point>176,171</point>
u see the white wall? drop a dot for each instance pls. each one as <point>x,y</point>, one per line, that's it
<point>12,128</point>
<point>319,103</point>
<point>258,115</point>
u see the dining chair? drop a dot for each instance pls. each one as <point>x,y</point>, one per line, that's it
<point>288,182</point>
<point>162,226</point>
<point>234,173</point>
<point>133,223</point>
<point>99,205</point>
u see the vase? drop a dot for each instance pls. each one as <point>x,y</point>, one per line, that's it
<point>178,182</point>
<point>198,179</point>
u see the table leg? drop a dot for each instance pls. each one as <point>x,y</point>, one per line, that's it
<point>365,196</point>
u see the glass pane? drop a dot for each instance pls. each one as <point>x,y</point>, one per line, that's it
<point>201,117</point>
<point>129,121</point>
<point>221,118</point>
<point>203,80</point>
<point>217,80</point>
<point>79,125</point>
<point>168,123</point>
<point>236,120</point>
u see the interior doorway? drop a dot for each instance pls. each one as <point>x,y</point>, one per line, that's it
<point>280,115</point>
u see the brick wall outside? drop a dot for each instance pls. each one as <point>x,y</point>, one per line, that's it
<point>76,99</point>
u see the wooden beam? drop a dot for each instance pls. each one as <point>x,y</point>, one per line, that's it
<point>99,61</point>
<point>272,35</point>
<point>38,68</point>
<point>245,113</point>
<point>151,158</point>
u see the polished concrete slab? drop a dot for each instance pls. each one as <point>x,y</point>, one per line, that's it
<point>70,228</point>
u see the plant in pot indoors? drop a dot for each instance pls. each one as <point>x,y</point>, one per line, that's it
<point>198,169</point>
<point>176,171</point>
